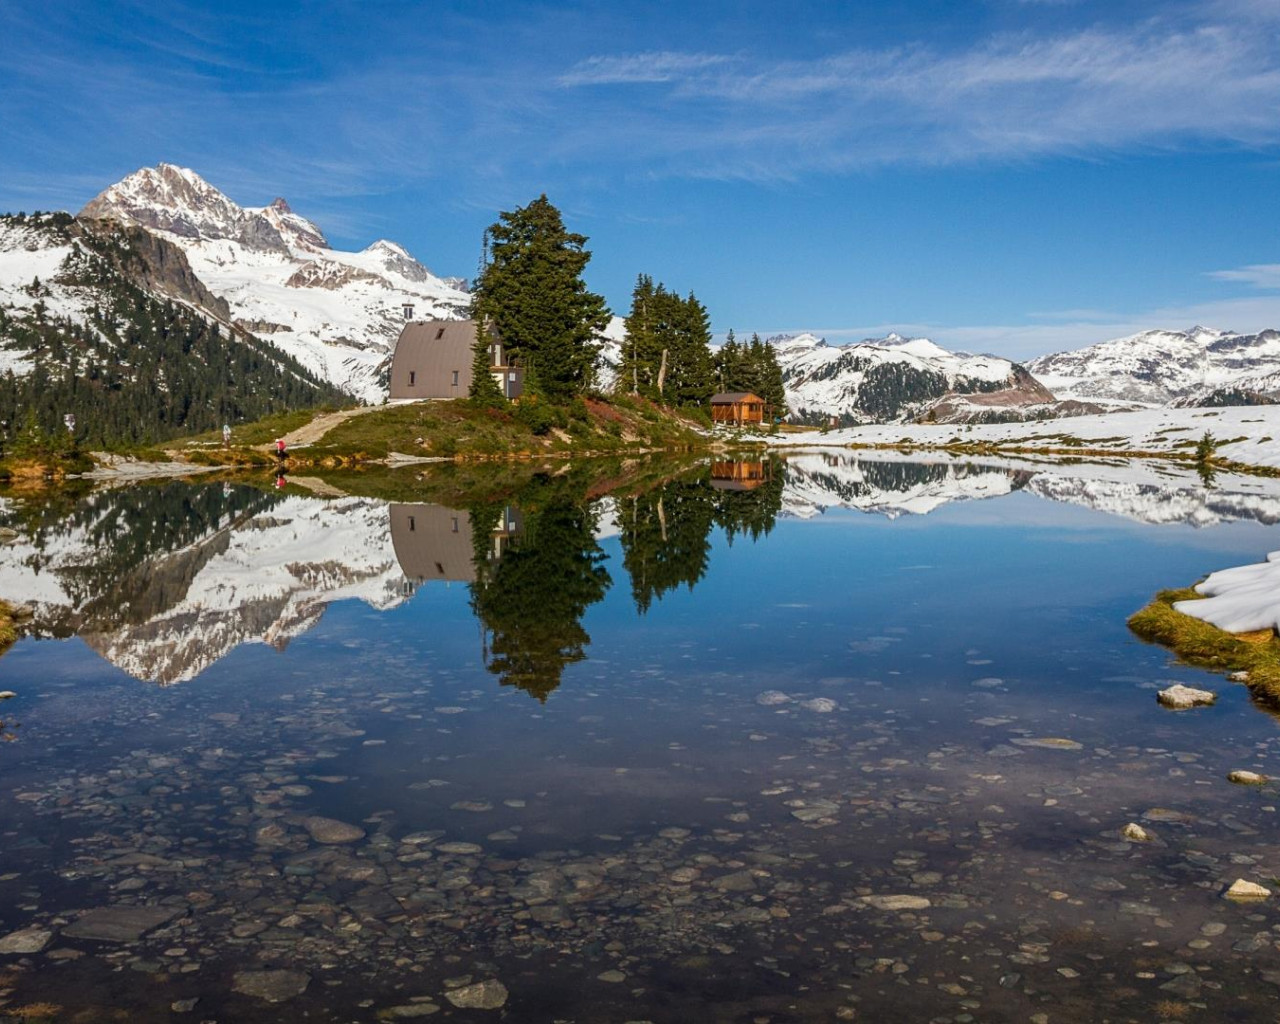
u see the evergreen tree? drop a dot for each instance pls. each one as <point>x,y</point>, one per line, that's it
<point>640,344</point>
<point>484,389</point>
<point>667,354</point>
<point>532,293</point>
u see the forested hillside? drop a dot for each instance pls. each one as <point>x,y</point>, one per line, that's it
<point>98,338</point>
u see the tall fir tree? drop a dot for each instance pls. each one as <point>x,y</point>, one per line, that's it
<point>531,291</point>
<point>484,390</point>
<point>666,354</point>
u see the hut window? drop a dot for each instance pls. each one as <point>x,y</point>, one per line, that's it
<point>439,568</point>
<point>455,524</point>
<point>411,527</point>
<point>439,333</point>
<point>413,376</point>
<point>455,378</point>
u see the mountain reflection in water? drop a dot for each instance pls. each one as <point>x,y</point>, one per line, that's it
<point>164,580</point>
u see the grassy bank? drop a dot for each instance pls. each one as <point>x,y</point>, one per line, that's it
<point>461,430</point>
<point>1206,646</point>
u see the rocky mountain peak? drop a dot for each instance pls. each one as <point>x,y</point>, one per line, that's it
<point>179,201</point>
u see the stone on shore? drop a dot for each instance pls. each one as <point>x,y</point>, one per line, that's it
<point>1180,697</point>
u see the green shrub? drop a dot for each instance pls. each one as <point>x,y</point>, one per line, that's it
<point>536,416</point>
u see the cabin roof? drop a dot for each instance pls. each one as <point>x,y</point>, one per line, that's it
<point>733,397</point>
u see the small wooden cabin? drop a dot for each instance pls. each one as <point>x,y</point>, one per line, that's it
<point>737,407</point>
<point>433,359</point>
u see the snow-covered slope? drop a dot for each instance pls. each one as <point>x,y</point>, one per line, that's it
<point>892,378</point>
<point>610,357</point>
<point>1159,367</point>
<point>339,313</point>
<point>1245,599</point>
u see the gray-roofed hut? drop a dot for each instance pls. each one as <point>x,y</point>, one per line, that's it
<point>433,359</point>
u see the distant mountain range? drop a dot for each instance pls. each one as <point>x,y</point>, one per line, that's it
<point>327,318</point>
<point>1197,367</point>
<point>881,380</point>
<point>890,379</point>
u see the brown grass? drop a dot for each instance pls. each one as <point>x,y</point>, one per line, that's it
<point>1206,646</point>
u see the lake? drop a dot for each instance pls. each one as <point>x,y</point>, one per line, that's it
<point>830,736</point>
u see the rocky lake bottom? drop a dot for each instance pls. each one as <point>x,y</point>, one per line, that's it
<point>690,753</point>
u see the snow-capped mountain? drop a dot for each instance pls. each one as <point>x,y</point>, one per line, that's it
<point>338,313</point>
<point>894,378</point>
<point>1194,367</point>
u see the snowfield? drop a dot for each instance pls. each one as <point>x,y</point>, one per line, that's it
<point>1240,600</point>
<point>1246,434</point>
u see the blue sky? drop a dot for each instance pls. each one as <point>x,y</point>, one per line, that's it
<point>1014,176</point>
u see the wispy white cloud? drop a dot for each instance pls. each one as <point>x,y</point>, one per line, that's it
<point>1259,275</point>
<point>1161,83</point>
<point>659,66</point>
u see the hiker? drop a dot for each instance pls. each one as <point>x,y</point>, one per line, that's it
<point>279,447</point>
<point>226,435</point>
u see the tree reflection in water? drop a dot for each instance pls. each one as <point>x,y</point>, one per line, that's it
<point>539,570</point>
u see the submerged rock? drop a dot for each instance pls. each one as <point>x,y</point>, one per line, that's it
<point>1048,743</point>
<point>483,995</point>
<point>28,940</point>
<point>271,986</point>
<point>119,924</point>
<point>1242,890</point>
<point>1245,778</point>
<point>897,902</point>
<point>1179,697</point>
<point>1135,833</point>
<point>329,830</point>
<point>772,697</point>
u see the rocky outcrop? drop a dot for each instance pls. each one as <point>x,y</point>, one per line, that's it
<point>157,264</point>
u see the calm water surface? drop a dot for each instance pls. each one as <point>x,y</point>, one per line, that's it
<point>839,739</point>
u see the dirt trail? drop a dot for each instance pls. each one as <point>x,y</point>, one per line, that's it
<point>318,427</point>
